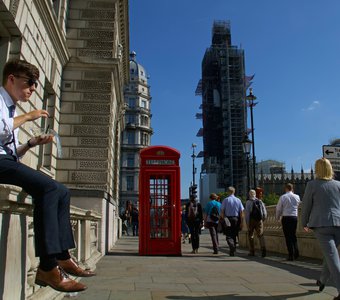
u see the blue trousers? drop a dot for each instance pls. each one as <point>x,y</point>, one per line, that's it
<point>51,201</point>
<point>329,239</point>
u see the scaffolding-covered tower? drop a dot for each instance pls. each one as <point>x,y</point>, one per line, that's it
<point>222,88</point>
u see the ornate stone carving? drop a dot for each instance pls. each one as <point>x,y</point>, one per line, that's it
<point>86,130</point>
<point>99,45</point>
<point>96,97</point>
<point>97,14</point>
<point>101,4</point>
<point>89,153</point>
<point>101,24</point>
<point>98,34</point>
<point>88,176</point>
<point>95,119</point>
<point>13,7</point>
<point>93,85</point>
<point>94,53</point>
<point>97,164</point>
<point>94,141</point>
<point>92,108</point>
<point>97,75</point>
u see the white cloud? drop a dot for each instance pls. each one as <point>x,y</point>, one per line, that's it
<point>315,104</point>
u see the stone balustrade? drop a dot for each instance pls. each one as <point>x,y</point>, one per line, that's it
<point>275,240</point>
<point>18,262</point>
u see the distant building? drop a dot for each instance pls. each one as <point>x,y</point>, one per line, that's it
<point>224,111</point>
<point>138,131</point>
<point>274,183</point>
<point>271,166</point>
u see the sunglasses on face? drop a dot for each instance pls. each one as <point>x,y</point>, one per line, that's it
<point>29,81</point>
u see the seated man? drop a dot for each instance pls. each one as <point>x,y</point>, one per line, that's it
<point>51,199</point>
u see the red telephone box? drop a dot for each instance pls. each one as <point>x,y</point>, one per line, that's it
<point>159,201</point>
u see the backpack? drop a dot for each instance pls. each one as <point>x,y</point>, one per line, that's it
<point>192,212</point>
<point>256,212</point>
<point>214,214</point>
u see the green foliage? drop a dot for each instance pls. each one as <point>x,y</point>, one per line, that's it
<point>271,199</point>
<point>222,195</point>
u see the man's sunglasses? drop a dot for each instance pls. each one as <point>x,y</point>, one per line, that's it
<point>29,81</point>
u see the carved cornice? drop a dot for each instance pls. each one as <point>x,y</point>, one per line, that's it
<point>124,36</point>
<point>54,31</point>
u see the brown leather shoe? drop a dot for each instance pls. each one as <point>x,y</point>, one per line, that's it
<point>72,268</point>
<point>58,280</point>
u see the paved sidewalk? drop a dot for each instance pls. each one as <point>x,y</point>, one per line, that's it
<point>126,275</point>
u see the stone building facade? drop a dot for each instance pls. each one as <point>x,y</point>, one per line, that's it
<point>275,183</point>
<point>81,48</point>
<point>137,133</point>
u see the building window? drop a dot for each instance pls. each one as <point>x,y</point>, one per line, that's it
<point>132,102</point>
<point>130,119</point>
<point>145,139</point>
<point>131,137</point>
<point>144,104</point>
<point>144,121</point>
<point>129,183</point>
<point>130,159</point>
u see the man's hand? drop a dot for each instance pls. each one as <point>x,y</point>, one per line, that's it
<point>36,114</point>
<point>306,229</point>
<point>41,140</point>
<point>30,116</point>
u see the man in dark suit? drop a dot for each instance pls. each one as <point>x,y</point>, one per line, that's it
<point>51,199</point>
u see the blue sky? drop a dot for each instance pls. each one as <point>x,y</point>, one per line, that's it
<point>292,46</point>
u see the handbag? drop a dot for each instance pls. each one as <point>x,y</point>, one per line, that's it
<point>222,225</point>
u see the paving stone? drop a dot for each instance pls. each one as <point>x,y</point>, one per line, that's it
<point>125,275</point>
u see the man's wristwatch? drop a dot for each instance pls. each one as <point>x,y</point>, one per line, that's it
<point>29,144</point>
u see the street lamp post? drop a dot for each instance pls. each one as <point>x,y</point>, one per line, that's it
<point>250,98</point>
<point>246,144</point>
<point>193,146</point>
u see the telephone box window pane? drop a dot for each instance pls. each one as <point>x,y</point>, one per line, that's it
<point>160,207</point>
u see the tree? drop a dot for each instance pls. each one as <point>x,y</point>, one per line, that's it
<point>271,199</point>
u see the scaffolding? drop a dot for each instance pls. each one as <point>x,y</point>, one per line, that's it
<point>222,89</point>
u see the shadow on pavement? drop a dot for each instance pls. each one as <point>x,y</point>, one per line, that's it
<point>240,297</point>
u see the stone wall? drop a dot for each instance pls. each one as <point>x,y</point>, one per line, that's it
<point>275,240</point>
<point>18,262</point>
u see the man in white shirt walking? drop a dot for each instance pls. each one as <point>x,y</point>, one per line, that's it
<point>287,209</point>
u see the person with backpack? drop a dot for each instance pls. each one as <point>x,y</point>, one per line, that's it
<point>256,213</point>
<point>212,215</point>
<point>194,217</point>
<point>287,209</point>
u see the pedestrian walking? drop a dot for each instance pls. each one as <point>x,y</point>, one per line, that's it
<point>134,220</point>
<point>287,210</point>
<point>232,208</point>
<point>211,218</point>
<point>256,213</point>
<point>194,216</point>
<point>321,213</point>
<point>184,226</point>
